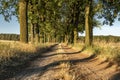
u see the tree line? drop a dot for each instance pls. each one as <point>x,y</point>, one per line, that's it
<point>14,37</point>
<point>106,39</point>
<point>59,20</point>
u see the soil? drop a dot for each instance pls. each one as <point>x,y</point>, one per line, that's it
<point>65,63</point>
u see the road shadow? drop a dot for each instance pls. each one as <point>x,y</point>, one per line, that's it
<point>50,48</point>
<point>103,62</point>
<point>115,77</point>
<point>70,53</point>
<point>43,69</point>
<point>10,70</point>
<point>110,64</point>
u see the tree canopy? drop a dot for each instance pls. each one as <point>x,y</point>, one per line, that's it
<point>59,20</point>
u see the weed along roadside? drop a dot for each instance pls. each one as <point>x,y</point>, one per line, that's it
<point>93,63</point>
<point>15,56</point>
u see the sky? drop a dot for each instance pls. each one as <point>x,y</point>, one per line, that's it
<point>106,30</point>
<point>12,27</point>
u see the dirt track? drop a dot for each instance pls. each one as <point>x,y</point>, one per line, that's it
<point>64,63</point>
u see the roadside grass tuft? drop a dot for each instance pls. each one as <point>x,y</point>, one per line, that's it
<point>109,51</point>
<point>15,55</point>
<point>104,50</point>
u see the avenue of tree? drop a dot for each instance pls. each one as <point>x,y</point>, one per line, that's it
<point>59,20</point>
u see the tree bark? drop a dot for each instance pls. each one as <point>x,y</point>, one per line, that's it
<point>44,37</point>
<point>32,33</point>
<point>36,33</point>
<point>72,37</point>
<point>23,21</point>
<point>76,21</point>
<point>88,26</point>
<point>41,38</point>
<point>75,35</point>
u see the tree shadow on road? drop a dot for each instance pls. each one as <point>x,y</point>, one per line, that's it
<point>43,69</point>
<point>115,77</point>
<point>43,56</point>
<point>17,64</point>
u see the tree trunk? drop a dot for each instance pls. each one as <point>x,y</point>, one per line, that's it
<point>75,35</point>
<point>88,26</point>
<point>41,38</point>
<point>66,38</point>
<point>36,33</point>
<point>76,22</point>
<point>44,37</point>
<point>23,21</point>
<point>32,33</point>
<point>71,37</point>
<point>48,38</point>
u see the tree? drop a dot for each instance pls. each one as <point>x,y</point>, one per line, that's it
<point>55,19</point>
<point>77,18</point>
<point>23,20</point>
<point>88,26</point>
<point>90,21</point>
<point>9,8</point>
<point>72,18</point>
<point>109,11</point>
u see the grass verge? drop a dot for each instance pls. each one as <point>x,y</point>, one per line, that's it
<point>15,56</point>
<point>103,50</point>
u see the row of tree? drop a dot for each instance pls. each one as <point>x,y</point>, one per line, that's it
<point>59,20</point>
<point>104,39</point>
<point>14,37</point>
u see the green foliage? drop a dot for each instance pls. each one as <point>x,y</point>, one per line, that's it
<point>109,11</point>
<point>9,8</point>
<point>61,18</point>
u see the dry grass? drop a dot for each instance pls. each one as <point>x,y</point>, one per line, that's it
<point>15,54</point>
<point>102,49</point>
<point>15,50</point>
<point>109,51</point>
<point>64,73</point>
